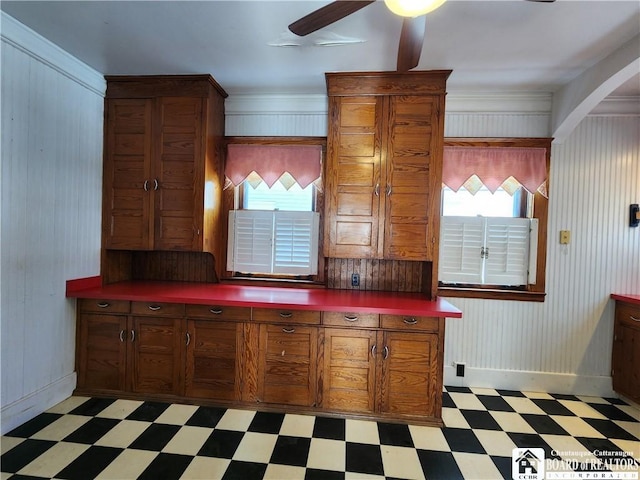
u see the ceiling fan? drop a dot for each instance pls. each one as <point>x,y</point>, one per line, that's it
<point>413,24</point>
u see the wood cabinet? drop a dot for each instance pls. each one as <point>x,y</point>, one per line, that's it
<point>156,347</point>
<point>163,167</point>
<point>287,364</point>
<point>626,351</point>
<point>364,364</point>
<point>122,348</point>
<point>384,165</point>
<point>214,351</point>
<point>396,371</point>
<point>101,351</point>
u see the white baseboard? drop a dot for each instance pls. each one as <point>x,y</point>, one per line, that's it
<point>23,410</point>
<point>570,384</point>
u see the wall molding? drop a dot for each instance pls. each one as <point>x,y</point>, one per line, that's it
<point>549,382</point>
<point>20,411</point>
<point>39,48</point>
<point>617,106</point>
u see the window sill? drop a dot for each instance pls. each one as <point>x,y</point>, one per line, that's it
<point>491,294</point>
<point>272,282</point>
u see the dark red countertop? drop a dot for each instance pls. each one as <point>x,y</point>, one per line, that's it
<point>269,297</point>
<point>629,297</point>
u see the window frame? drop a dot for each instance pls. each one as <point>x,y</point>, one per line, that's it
<point>232,199</point>
<point>532,292</point>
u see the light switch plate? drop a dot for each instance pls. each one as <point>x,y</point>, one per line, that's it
<point>565,237</point>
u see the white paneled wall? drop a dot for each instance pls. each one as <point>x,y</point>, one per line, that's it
<point>563,344</point>
<point>51,177</point>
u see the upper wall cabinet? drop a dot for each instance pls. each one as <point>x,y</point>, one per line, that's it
<point>163,166</point>
<point>384,164</point>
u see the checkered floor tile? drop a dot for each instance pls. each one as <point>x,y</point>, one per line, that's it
<point>84,438</point>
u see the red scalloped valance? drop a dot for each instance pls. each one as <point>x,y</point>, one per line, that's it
<point>270,162</point>
<point>494,165</point>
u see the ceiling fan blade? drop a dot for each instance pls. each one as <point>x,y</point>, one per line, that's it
<point>326,16</point>
<point>411,40</point>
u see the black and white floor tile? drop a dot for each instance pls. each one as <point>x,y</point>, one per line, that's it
<point>85,438</point>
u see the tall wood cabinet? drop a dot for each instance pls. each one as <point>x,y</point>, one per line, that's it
<point>384,165</point>
<point>163,165</point>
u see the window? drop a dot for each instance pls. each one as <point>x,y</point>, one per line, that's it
<point>273,228</point>
<point>493,224</point>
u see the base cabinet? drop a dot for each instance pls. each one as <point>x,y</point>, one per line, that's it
<point>378,366</point>
<point>626,351</point>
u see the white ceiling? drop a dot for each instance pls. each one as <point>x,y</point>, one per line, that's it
<point>500,46</point>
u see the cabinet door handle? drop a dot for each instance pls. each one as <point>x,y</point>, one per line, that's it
<point>133,335</point>
<point>145,185</point>
<point>374,349</point>
<point>103,304</point>
<point>388,189</point>
<point>376,190</point>
<point>634,318</point>
<point>385,353</point>
<point>288,330</point>
<point>155,184</point>
<point>154,308</point>
<point>122,335</point>
<point>216,310</point>
<point>286,314</point>
<point>188,339</point>
<point>410,320</point>
<point>351,318</point>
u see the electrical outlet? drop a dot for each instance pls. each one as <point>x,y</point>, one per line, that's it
<point>355,279</point>
<point>460,369</point>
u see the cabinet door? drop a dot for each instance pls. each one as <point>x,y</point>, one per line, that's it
<point>409,380</point>
<point>127,173</point>
<point>102,350</point>
<point>156,346</point>
<point>212,362</point>
<point>412,192</point>
<point>287,364</point>
<point>349,370</point>
<point>626,352</point>
<point>179,172</point>
<point>353,177</point>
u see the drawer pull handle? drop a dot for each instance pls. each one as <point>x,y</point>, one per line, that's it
<point>188,338</point>
<point>216,310</point>
<point>374,349</point>
<point>103,304</point>
<point>351,318</point>
<point>286,314</point>
<point>385,353</point>
<point>288,330</point>
<point>122,335</point>
<point>410,320</point>
<point>634,318</point>
<point>154,308</point>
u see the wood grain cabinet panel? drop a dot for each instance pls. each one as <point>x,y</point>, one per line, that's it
<point>212,364</point>
<point>349,370</point>
<point>156,355</point>
<point>384,165</point>
<point>626,351</point>
<point>287,364</point>
<point>101,353</point>
<point>163,167</point>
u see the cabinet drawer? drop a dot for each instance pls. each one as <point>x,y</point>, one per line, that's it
<point>273,315</point>
<point>103,306</point>
<point>216,312</point>
<point>156,309</point>
<point>408,322</point>
<point>345,319</point>
<point>628,314</point>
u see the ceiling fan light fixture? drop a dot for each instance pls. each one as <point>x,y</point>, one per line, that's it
<point>412,8</point>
